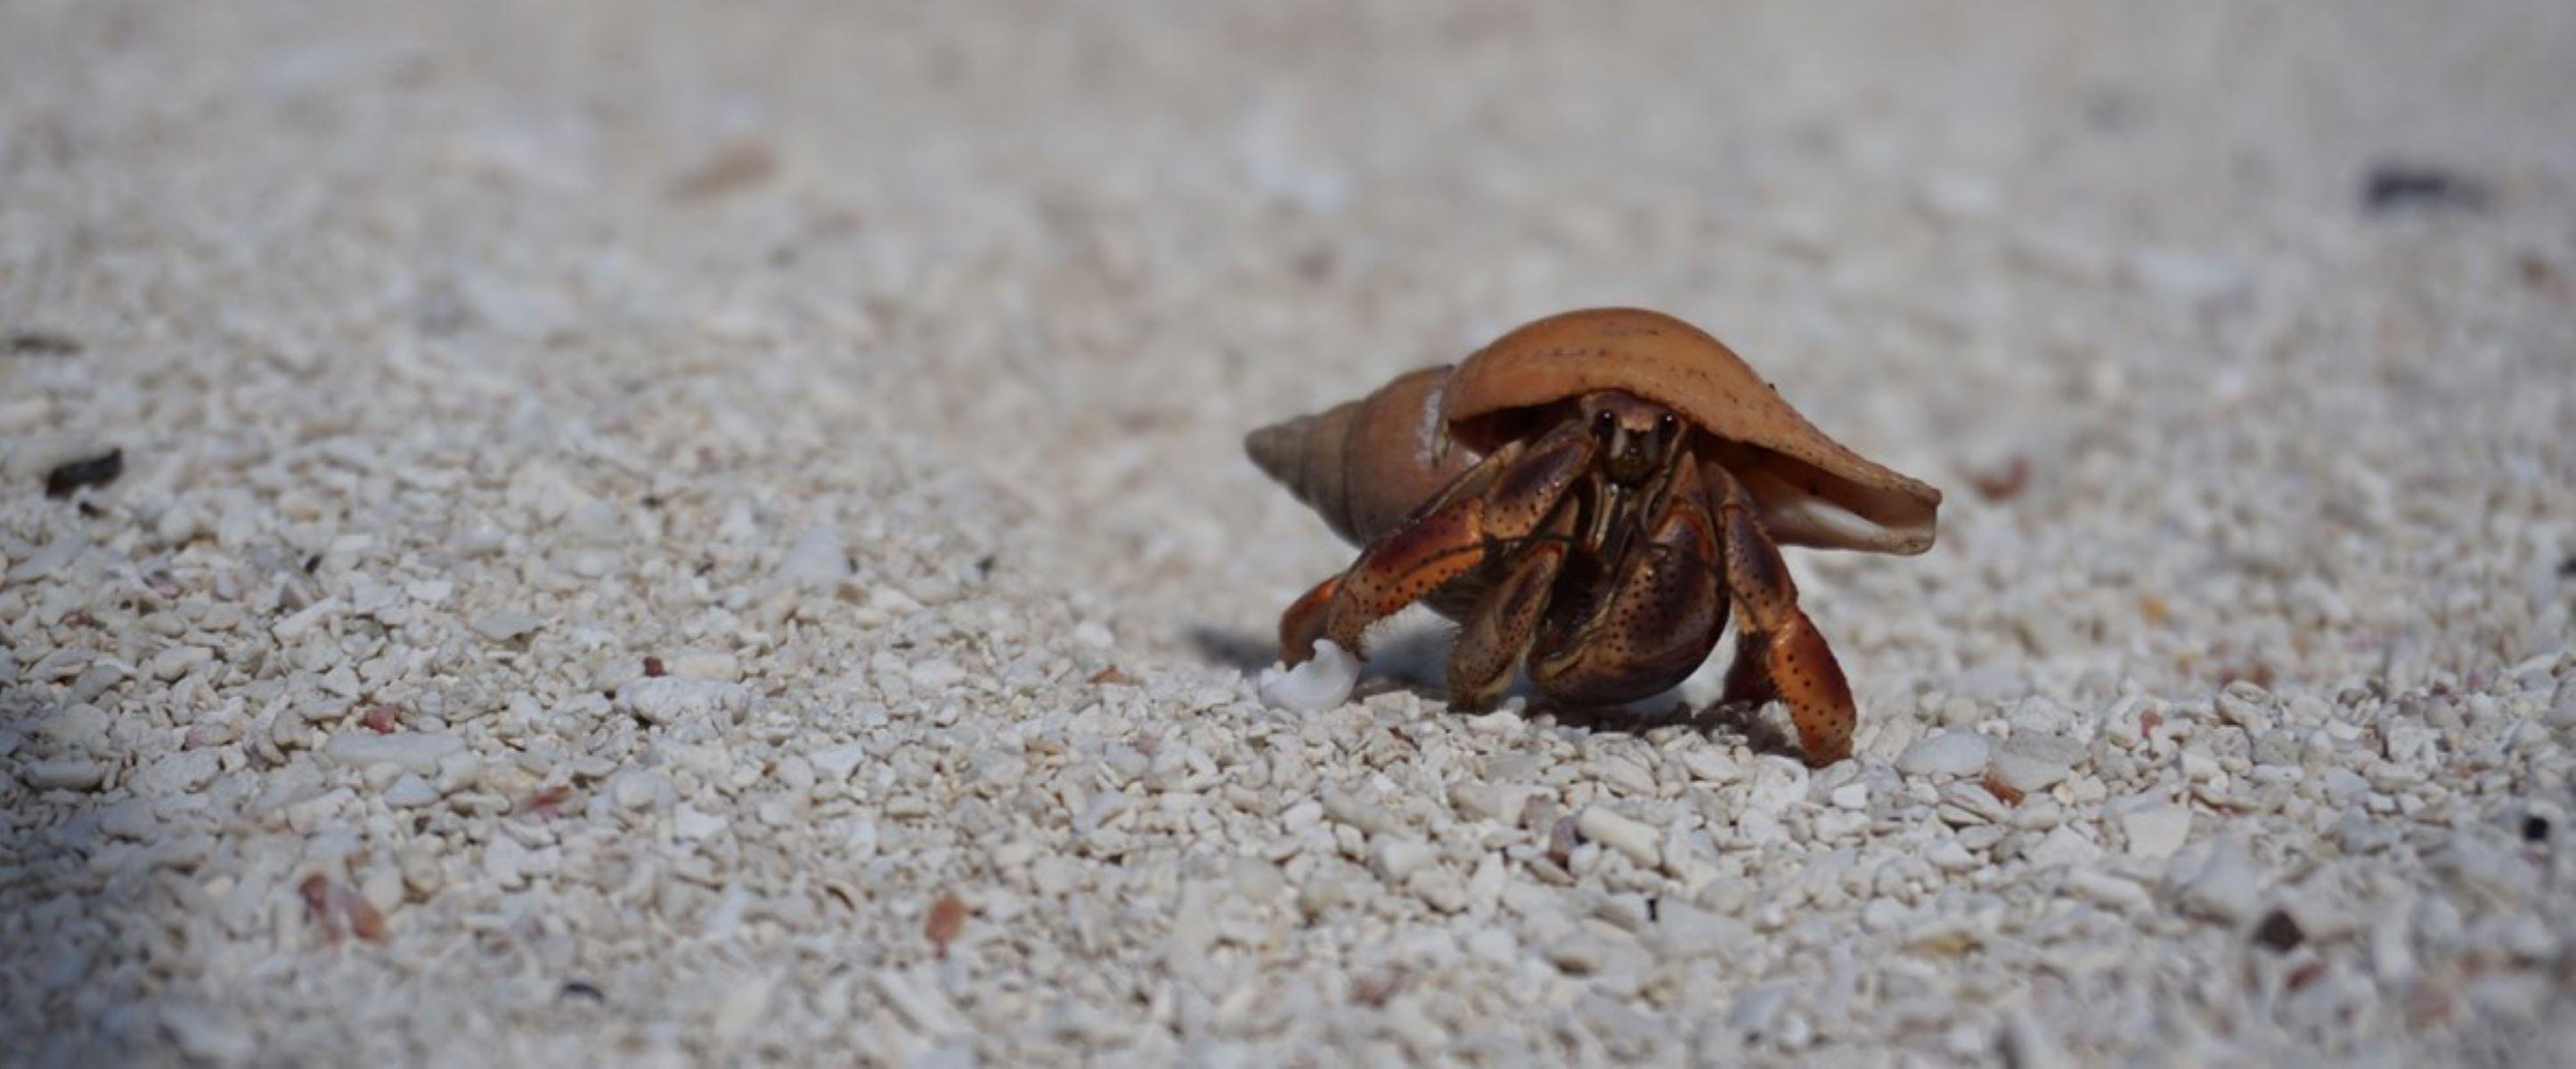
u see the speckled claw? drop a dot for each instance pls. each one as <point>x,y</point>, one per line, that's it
<point>1792,665</point>
<point>1497,632</point>
<point>1303,623</point>
<point>1489,508</point>
<point>1779,654</point>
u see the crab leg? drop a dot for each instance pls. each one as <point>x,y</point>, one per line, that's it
<point>1498,630</point>
<point>1303,622</point>
<point>1654,620</point>
<point>1779,654</point>
<point>1505,497</point>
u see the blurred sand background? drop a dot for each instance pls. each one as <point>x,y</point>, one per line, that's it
<point>882,373</point>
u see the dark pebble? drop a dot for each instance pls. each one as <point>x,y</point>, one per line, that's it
<point>2278,931</point>
<point>43,343</point>
<point>2535,829</point>
<point>582,989</point>
<point>92,471</point>
<point>2393,186</point>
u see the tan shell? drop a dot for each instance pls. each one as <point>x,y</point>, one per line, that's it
<point>1365,465</point>
<point>1810,489</point>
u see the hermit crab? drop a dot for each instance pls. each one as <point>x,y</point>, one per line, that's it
<point>1586,497</point>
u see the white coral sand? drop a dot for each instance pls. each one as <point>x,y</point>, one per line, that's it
<point>658,535</point>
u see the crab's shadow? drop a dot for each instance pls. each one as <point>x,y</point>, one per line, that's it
<point>1239,650</point>
<point>1414,658</point>
<point>1408,651</point>
<point>1710,719</point>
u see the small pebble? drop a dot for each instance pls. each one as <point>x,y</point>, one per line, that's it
<point>1440,888</point>
<point>506,624</point>
<point>74,475</point>
<point>2224,886</point>
<point>177,661</point>
<point>1947,753</point>
<point>65,775</point>
<point>1395,859</point>
<point>1323,682</point>
<point>816,560</point>
<point>2027,775</point>
<point>2188,276</point>
<point>672,699</point>
<point>722,667</point>
<point>410,792</point>
<point>2392,186</point>
<point>413,751</point>
<point>2155,831</point>
<point>688,823</point>
<point>1636,839</point>
<point>1682,930</point>
<point>2278,932</point>
<point>835,763</point>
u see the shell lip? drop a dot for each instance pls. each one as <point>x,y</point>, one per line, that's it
<point>1803,506</point>
<point>1810,489</point>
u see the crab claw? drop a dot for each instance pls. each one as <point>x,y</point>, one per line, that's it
<point>1779,654</point>
<point>1303,623</point>
<point>1792,665</point>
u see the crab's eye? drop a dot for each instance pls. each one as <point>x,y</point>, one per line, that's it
<point>1604,425</point>
<point>1668,426</point>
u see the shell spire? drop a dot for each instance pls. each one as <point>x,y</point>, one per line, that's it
<point>1365,465</point>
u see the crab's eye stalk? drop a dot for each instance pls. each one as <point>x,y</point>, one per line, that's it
<point>1604,425</point>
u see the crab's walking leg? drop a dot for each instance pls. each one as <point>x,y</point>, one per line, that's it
<point>1779,654</point>
<point>1498,630</point>
<point>1654,621</point>
<point>1505,497</point>
<point>1303,623</point>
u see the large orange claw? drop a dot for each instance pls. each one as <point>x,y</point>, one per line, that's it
<point>1779,655</point>
<point>1303,623</point>
<point>1792,665</point>
<point>1492,506</point>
